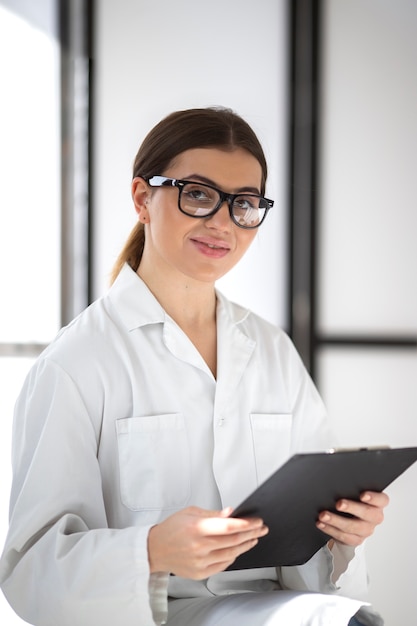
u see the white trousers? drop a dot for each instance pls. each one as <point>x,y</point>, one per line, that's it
<point>272,608</point>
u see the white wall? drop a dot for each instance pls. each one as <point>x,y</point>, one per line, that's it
<point>156,57</point>
<point>368,264</point>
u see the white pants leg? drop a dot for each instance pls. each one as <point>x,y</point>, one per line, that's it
<point>272,608</point>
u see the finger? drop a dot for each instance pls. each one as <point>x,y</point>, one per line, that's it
<point>226,547</point>
<point>233,541</point>
<point>363,511</point>
<point>349,530</point>
<point>231,553</point>
<point>207,562</point>
<point>226,512</point>
<point>218,560</point>
<point>237,539</point>
<point>228,526</point>
<point>379,499</point>
<point>221,558</point>
<point>223,514</point>
<point>340,535</point>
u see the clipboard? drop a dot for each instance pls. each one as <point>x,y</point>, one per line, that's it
<point>290,500</point>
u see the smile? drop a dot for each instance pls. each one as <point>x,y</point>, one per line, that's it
<point>210,247</point>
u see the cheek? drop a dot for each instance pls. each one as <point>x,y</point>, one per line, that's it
<point>245,238</point>
<point>164,212</point>
<point>166,227</point>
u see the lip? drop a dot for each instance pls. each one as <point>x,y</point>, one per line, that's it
<point>209,246</point>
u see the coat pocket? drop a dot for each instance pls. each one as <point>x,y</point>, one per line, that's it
<point>271,436</point>
<point>154,462</point>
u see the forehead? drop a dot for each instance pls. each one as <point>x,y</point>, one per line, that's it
<point>229,169</point>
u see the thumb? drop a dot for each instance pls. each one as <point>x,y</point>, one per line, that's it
<point>226,512</point>
<point>198,512</point>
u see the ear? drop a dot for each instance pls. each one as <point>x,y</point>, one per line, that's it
<point>141,195</point>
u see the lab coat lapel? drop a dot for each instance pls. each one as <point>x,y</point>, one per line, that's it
<point>182,347</point>
<point>234,349</point>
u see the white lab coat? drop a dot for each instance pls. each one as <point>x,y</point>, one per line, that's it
<point>119,424</point>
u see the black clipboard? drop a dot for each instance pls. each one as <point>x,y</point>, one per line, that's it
<point>289,501</point>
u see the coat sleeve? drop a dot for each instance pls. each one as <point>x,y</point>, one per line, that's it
<point>341,571</point>
<point>61,563</point>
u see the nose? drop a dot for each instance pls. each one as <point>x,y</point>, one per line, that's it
<point>221,220</point>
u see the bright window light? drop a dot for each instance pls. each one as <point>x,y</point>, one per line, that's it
<point>29,217</point>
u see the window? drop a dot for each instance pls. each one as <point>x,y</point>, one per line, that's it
<point>44,199</point>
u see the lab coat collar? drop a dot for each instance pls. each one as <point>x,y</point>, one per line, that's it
<point>135,303</point>
<point>137,307</point>
<point>235,312</point>
<point>129,290</point>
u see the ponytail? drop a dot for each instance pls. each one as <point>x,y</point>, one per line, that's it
<point>131,252</point>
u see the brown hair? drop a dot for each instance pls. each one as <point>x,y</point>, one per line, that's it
<point>180,131</point>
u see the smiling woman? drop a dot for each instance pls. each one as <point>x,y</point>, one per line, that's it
<point>146,421</point>
<point>174,237</point>
<point>176,135</point>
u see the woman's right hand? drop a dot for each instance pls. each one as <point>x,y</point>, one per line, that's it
<point>195,543</point>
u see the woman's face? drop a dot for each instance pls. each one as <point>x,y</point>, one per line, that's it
<point>201,249</point>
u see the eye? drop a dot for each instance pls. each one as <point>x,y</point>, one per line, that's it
<point>246,206</point>
<point>199,194</point>
<point>246,203</point>
<point>248,210</point>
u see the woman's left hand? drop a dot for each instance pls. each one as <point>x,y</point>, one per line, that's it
<point>353,531</point>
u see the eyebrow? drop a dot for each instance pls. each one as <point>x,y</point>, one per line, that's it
<point>208,181</point>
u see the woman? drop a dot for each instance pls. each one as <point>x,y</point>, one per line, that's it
<point>160,408</point>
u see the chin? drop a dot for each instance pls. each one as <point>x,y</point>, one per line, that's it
<point>206,277</point>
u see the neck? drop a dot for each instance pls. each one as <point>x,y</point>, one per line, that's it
<point>192,304</point>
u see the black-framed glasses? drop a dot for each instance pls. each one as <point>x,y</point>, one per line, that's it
<point>197,199</point>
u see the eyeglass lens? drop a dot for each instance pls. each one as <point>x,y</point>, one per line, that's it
<point>199,200</point>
